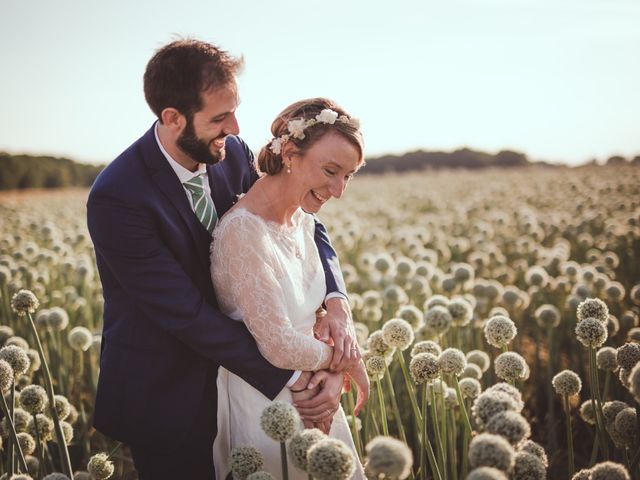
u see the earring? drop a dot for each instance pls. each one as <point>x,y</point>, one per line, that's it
<point>289,166</point>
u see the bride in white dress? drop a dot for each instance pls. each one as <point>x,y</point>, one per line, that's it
<point>267,271</point>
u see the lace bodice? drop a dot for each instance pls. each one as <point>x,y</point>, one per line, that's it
<point>270,277</point>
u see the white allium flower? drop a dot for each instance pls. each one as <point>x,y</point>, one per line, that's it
<point>499,331</point>
<point>461,312</point>
<point>606,359</point>
<point>44,425</point>
<point>377,345</point>
<point>547,316</point>
<point>591,332</point>
<point>472,371</point>
<point>611,409</point>
<point>388,457</point>
<point>100,467</point>
<point>438,319</point>
<point>609,471</point>
<point>480,358</point>
<point>17,358</point>
<point>58,318</point>
<point>451,398</point>
<point>470,387</point>
<point>510,366</point>
<point>587,412</point>
<point>567,383</point>
<point>62,405</point>
<point>436,300</point>
<point>426,346</point>
<point>23,302</point>
<point>33,399</point>
<point>626,425</point>
<point>424,367</point>
<point>280,421</point>
<point>398,333</point>
<point>511,425</point>
<point>260,475</point>
<point>452,361</point>
<point>327,116</point>
<point>584,474</point>
<point>634,382</point>
<point>6,376</point>
<point>376,366</point>
<point>490,403</point>
<point>27,443</point>
<point>18,342</point>
<point>486,473</point>
<point>593,308</point>
<point>628,355</point>
<point>330,459</point>
<point>411,314</point>
<point>528,467</point>
<point>80,339</point>
<point>245,460</point>
<point>489,450</point>
<point>536,449</point>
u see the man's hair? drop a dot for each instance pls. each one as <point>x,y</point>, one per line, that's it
<point>181,71</point>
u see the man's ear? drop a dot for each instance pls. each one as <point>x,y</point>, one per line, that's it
<point>173,119</point>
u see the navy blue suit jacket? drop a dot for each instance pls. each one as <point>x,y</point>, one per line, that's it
<point>163,336</point>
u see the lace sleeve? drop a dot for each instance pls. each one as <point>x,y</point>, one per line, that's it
<point>245,282</point>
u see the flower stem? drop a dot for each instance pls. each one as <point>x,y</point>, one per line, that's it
<point>567,411</point>
<point>394,405</point>
<point>439,446</point>
<point>354,427</point>
<point>595,393</point>
<point>12,432</point>
<point>383,413</point>
<point>283,458</point>
<point>463,409</point>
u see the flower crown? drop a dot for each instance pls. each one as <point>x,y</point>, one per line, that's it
<point>297,127</point>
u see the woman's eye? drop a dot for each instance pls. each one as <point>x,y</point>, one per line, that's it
<point>329,172</point>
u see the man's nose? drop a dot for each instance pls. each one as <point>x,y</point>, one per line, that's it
<point>231,126</point>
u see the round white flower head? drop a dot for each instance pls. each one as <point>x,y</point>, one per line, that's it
<point>388,457</point>
<point>376,366</point>
<point>528,466</point>
<point>452,361</point>
<point>261,476</point>
<point>486,473</point>
<point>567,383</point>
<point>470,387</point>
<point>480,358</point>
<point>489,450</point>
<point>584,474</point>
<point>609,471</point>
<point>499,331</point>
<point>377,345</point>
<point>626,425</point>
<point>628,355</point>
<point>80,475</point>
<point>591,332</point>
<point>300,444</point>
<point>536,449</point>
<point>547,316</point>
<point>623,376</point>
<point>58,318</point>
<point>611,409</point>
<point>436,300</point>
<point>63,407</point>
<point>587,412</point>
<point>424,367</point>
<point>634,382</point>
<point>606,359</point>
<point>27,443</point>
<point>23,302</point>
<point>398,333</point>
<point>20,421</point>
<point>511,425</point>
<point>350,422</point>
<point>411,314</point>
<point>67,432</point>
<point>426,346</point>
<point>100,467</point>
<point>45,427</point>
<point>461,312</point>
<point>510,366</point>
<point>54,476</point>
<point>438,319</point>
<point>245,460</point>
<point>6,376</point>
<point>472,371</point>
<point>330,459</point>
<point>5,333</point>
<point>280,421</point>
<point>593,308</point>
<point>34,358</point>
<point>450,398</point>
<point>17,358</point>
<point>490,403</point>
<point>33,399</point>
<point>80,339</point>
<point>18,342</point>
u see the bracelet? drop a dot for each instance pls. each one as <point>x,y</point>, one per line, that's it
<point>297,391</point>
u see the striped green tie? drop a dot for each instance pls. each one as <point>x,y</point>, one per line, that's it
<point>202,203</point>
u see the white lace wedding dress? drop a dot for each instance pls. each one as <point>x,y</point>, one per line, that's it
<point>269,276</point>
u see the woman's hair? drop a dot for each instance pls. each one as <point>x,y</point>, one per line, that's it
<point>178,74</point>
<point>271,163</point>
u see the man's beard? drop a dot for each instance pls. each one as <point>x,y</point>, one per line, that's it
<point>198,150</point>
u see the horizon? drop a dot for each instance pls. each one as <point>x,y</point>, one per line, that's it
<point>556,81</point>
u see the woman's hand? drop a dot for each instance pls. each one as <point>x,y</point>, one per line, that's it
<point>359,376</point>
<point>334,327</point>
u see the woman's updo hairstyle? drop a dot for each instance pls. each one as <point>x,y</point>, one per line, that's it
<point>271,163</point>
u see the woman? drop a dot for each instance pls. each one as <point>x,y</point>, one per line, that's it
<point>267,272</point>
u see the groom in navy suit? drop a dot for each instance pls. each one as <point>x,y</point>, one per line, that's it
<point>164,337</point>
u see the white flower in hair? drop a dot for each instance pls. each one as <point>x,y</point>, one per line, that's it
<point>327,116</point>
<point>296,128</point>
<point>276,144</point>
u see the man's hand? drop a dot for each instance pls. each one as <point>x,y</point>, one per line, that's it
<point>325,402</point>
<point>336,326</point>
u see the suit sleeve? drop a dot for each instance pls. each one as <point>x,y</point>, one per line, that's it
<point>127,242</point>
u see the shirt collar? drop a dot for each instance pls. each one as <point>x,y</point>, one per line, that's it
<point>183,174</point>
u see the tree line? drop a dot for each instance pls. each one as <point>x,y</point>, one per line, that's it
<point>19,172</point>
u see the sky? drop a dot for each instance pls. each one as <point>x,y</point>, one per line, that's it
<point>558,80</point>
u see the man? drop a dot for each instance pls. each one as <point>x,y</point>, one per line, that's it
<point>150,216</point>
